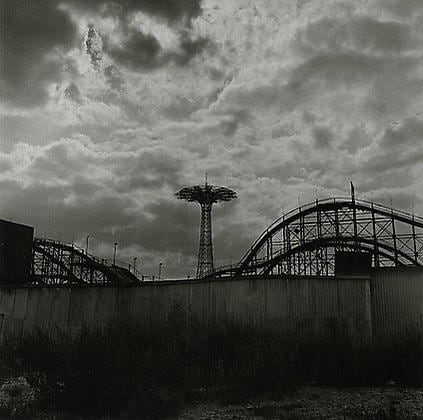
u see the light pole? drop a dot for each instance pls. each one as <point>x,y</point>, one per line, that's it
<point>86,246</point>
<point>160,270</point>
<point>114,253</point>
<point>135,261</point>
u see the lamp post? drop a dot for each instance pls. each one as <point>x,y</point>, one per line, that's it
<point>135,261</point>
<point>86,246</point>
<point>114,253</point>
<point>160,270</point>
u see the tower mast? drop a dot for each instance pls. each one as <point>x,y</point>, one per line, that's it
<point>205,195</point>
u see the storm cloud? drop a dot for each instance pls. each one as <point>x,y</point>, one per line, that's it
<point>36,37</point>
<point>108,108</point>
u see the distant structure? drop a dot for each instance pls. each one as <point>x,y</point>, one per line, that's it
<point>205,195</point>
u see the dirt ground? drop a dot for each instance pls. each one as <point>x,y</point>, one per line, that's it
<point>320,403</point>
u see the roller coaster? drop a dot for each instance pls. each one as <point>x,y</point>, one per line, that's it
<point>305,241</point>
<point>55,263</point>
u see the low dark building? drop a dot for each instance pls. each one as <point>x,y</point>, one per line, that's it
<point>350,262</point>
<point>15,252</point>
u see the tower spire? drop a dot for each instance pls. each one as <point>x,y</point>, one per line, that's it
<point>205,195</point>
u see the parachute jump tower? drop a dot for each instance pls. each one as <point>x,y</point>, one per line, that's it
<point>205,195</point>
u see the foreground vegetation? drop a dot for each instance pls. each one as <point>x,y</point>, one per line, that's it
<point>128,370</point>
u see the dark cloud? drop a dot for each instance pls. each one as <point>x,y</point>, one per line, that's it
<point>323,137</point>
<point>166,226</point>
<point>150,169</point>
<point>402,8</point>
<point>284,130</point>
<point>21,129</point>
<point>356,139</point>
<point>143,51</point>
<point>360,52</point>
<point>255,96</point>
<point>113,77</point>
<point>138,51</point>
<point>34,34</point>
<point>189,48</point>
<point>359,33</point>
<point>5,164</point>
<point>72,93</point>
<point>63,160</point>
<point>66,210</point>
<point>79,162</point>
<point>231,242</point>
<point>180,108</point>
<point>399,147</point>
<point>398,198</point>
<point>31,34</point>
<point>231,118</point>
<point>340,69</point>
<point>172,10</point>
<point>381,35</point>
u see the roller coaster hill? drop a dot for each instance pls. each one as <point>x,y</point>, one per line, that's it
<point>25,259</point>
<point>329,237</point>
<point>334,236</point>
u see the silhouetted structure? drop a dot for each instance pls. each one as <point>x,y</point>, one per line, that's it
<point>56,262</point>
<point>205,195</point>
<point>333,236</point>
<point>15,252</point>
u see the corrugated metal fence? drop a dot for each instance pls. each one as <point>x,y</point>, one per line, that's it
<point>397,300</point>
<point>390,302</point>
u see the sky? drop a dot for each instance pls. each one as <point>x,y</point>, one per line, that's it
<point>108,108</point>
